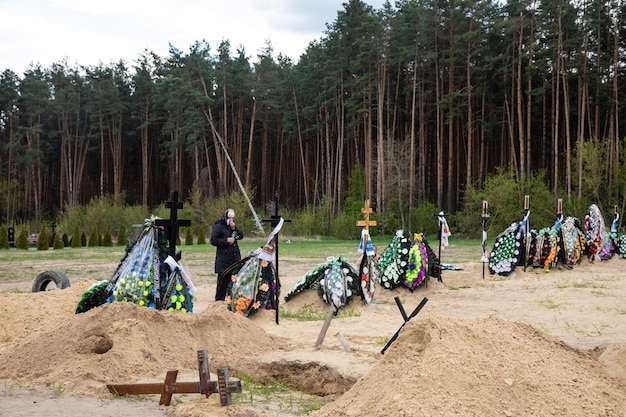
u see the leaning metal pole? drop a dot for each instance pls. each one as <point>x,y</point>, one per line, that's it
<point>257,219</point>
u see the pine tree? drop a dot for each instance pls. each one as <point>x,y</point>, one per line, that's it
<point>4,237</point>
<point>22,239</point>
<point>107,240</point>
<point>76,239</point>
<point>57,242</point>
<point>93,239</point>
<point>43,243</point>
<point>201,236</point>
<point>121,236</point>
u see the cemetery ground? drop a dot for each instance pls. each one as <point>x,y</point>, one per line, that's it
<point>530,344</point>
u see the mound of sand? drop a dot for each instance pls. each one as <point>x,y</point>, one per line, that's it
<point>482,367</point>
<point>474,351</point>
<point>114,343</point>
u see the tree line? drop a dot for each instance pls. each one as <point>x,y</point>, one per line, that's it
<point>425,98</point>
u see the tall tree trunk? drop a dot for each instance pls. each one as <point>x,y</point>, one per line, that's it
<point>102,156</point>
<point>412,155</point>
<point>529,95</point>
<point>519,107</point>
<point>145,156</point>
<point>439,138</point>
<point>557,105</point>
<point>568,150</point>
<point>251,143</point>
<point>615,93</point>
<point>329,171</point>
<point>303,164</point>
<point>380,125</point>
<point>117,153</point>
<point>470,121</point>
<point>451,138</point>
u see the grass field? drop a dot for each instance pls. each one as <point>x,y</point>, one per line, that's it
<point>101,262</point>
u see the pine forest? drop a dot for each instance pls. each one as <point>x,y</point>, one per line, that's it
<point>422,100</point>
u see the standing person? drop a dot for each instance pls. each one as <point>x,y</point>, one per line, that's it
<point>224,236</point>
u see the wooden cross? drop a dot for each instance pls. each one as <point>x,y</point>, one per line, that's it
<point>173,224</point>
<point>223,386</point>
<point>366,223</point>
<point>275,219</point>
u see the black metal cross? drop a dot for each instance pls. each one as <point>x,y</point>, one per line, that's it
<point>406,319</point>
<point>172,224</point>
<point>275,219</point>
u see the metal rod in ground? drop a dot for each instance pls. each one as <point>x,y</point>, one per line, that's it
<point>413,314</point>
<point>332,310</point>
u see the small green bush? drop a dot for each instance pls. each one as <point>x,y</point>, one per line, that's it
<point>57,242</point>
<point>93,239</point>
<point>22,239</point>
<point>189,237</point>
<point>66,241</point>
<point>76,238</point>
<point>201,236</point>
<point>121,236</point>
<point>4,237</point>
<point>107,240</point>
<point>43,243</point>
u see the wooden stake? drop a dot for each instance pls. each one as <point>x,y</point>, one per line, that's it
<point>332,310</point>
<point>343,342</point>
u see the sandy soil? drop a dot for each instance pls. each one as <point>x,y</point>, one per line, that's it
<point>531,344</point>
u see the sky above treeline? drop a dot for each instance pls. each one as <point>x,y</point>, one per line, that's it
<point>91,32</point>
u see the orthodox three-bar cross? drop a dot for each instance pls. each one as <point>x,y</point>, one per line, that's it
<point>172,224</point>
<point>366,222</point>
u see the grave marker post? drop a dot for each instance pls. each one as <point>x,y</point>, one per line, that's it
<point>274,220</point>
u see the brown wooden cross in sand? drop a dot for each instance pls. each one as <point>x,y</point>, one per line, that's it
<point>223,386</point>
<point>366,223</point>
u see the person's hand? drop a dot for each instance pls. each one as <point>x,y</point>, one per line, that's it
<point>230,240</point>
<point>232,224</point>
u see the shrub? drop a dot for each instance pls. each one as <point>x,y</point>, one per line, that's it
<point>505,195</point>
<point>93,239</point>
<point>344,227</point>
<point>107,240</point>
<point>57,242</point>
<point>76,238</point>
<point>4,237</point>
<point>189,237</point>
<point>121,236</point>
<point>22,239</point>
<point>43,243</point>
<point>201,236</point>
<point>423,220</point>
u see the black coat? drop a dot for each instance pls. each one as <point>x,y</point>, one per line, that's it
<point>226,253</point>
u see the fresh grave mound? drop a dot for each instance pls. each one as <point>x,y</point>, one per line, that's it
<point>124,343</point>
<point>481,367</point>
<point>24,315</point>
